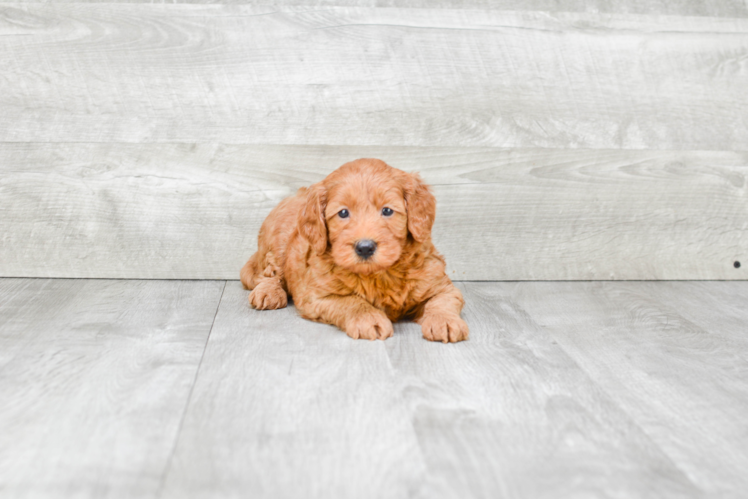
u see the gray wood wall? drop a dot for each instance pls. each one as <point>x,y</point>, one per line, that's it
<point>564,139</point>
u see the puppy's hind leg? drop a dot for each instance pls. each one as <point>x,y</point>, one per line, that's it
<point>267,287</point>
<point>250,273</point>
<point>268,294</point>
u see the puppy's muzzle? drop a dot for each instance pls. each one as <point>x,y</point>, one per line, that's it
<point>365,248</point>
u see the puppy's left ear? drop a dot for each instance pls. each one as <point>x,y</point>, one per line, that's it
<point>421,206</point>
<point>312,218</point>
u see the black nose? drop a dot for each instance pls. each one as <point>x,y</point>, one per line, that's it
<point>365,248</point>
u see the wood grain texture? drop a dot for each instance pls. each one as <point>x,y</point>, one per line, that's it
<point>713,8</point>
<point>509,414</point>
<point>284,407</point>
<point>564,390</point>
<point>94,378</point>
<point>673,355</point>
<point>192,211</point>
<point>369,76</point>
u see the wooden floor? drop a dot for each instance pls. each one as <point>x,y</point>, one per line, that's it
<point>176,388</point>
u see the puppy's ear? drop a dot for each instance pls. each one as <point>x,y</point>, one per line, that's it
<point>421,206</point>
<point>312,218</point>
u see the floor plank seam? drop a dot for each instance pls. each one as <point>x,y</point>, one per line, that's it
<point>167,468</point>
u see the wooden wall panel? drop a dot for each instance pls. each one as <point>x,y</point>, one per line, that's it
<point>193,210</point>
<point>714,8</point>
<point>371,76</point>
<point>564,139</point>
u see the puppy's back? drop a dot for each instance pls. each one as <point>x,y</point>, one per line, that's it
<point>275,235</point>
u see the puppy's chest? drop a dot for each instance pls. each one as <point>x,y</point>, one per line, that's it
<point>396,296</point>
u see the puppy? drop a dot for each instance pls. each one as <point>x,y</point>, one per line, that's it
<point>355,251</point>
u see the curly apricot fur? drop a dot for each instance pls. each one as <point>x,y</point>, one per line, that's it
<point>306,250</point>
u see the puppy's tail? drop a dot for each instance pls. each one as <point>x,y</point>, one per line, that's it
<point>250,273</point>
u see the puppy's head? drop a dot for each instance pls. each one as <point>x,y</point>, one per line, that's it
<point>365,213</point>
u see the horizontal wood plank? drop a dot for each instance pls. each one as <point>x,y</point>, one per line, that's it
<point>714,8</point>
<point>284,407</point>
<point>356,76</point>
<point>94,378</point>
<point>192,211</point>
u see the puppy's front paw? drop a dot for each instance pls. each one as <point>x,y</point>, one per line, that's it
<point>370,325</point>
<point>268,294</point>
<point>444,328</point>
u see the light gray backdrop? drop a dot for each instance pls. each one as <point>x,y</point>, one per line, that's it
<point>564,140</point>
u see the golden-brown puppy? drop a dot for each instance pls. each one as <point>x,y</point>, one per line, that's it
<point>355,251</point>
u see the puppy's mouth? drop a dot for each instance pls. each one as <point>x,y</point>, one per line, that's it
<point>366,267</point>
<point>364,257</point>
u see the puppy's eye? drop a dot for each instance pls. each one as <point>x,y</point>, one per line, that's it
<point>387,211</point>
<point>344,213</point>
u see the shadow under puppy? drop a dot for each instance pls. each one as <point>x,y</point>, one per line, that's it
<point>355,251</point>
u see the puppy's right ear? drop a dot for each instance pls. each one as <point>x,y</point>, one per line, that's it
<point>312,218</point>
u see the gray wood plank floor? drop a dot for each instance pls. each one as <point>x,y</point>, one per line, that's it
<point>153,388</point>
<point>94,378</point>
